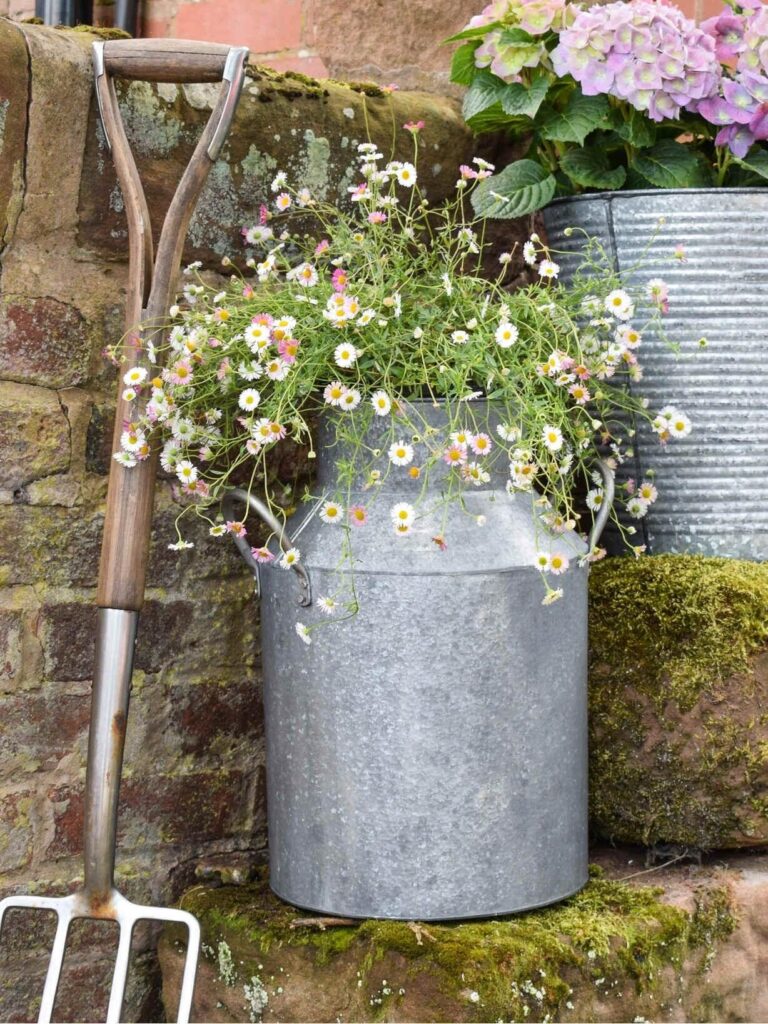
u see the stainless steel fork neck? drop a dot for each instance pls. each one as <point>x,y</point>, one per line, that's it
<point>115,642</point>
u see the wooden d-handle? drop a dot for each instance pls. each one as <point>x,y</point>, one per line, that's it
<point>165,60</point>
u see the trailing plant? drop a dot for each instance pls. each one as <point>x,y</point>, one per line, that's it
<point>356,312</point>
<point>621,95</point>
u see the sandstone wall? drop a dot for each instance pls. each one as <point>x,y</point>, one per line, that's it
<point>193,785</point>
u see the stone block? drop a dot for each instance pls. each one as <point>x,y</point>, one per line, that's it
<point>38,730</point>
<point>34,435</point>
<point>43,341</point>
<point>678,699</point>
<point>68,632</point>
<point>617,951</point>
<point>16,829</point>
<point>57,547</point>
<point>14,95</point>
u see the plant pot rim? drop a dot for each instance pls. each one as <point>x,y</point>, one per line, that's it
<point>611,196</point>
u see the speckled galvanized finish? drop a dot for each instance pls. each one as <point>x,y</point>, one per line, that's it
<point>712,484</point>
<point>427,759</point>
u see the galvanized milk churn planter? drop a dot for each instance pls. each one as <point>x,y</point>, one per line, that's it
<point>427,758</point>
<point>424,655</point>
<point>712,483</point>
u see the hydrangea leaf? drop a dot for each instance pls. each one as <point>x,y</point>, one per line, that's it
<point>525,102</point>
<point>637,130</point>
<point>757,162</point>
<point>463,69</point>
<point>513,36</point>
<point>520,189</point>
<point>669,164</point>
<point>493,118</point>
<point>589,168</point>
<point>582,115</point>
<point>477,32</point>
<point>485,90</point>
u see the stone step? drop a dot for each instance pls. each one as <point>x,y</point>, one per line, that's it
<point>683,942</point>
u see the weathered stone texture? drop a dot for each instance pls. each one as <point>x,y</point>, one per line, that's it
<point>34,435</point>
<point>679,701</point>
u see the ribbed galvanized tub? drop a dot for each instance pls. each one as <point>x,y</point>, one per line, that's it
<point>427,758</point>
<point>712,484</point>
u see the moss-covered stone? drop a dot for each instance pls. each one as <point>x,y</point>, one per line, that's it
<point>678,701</point>
<point>611,945</point>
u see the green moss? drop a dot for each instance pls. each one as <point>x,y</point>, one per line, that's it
<point>677,738</point>
<point>103,33</point>
<point>524,967</point>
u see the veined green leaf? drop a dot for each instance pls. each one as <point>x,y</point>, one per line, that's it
<point>473,33</point>
<point>485,90</point>
<point>637,130</point>
<point>756,161</point>
<point>520,189</point>
<point>590,168</point>
<point>582,115</point>
<point>522,101</point>
<point>669,164</point>
<point>463,68</point>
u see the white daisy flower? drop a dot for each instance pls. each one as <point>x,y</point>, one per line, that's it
<point>218,530</point>
<point>627,336</point>
<point>186,472</point>
<point>447,284</point>
<point>279,181</point>
<point>135,376</point>
<point>170,456</point>
<point>129,395</point>
<point>402,514</point>
<point>552,595</point>
<point>508,433</point>
<point>400,453</point>
<point>277,369</point>
<point>303,633</point>
<point>290,557</point>
<point>249,399</point>
<point>506,334</point>
<point>283,201</point>
<point>647,492</point>
<point>181,545</point>
<point>552,438</point>
<point>332,512</point>
<point>257,337</point>
<point>459,337</point>
<point>305,274</point>
<point>345,355</point>
<point>381,403</point>
<point>250,371</point>
<point>619,303</point>
<point>529,253</point>
<point>679,425</point>
<point>366,316</point>
<point>257,234</point>
<point>406,175</point>
<point>595,499</point>
<point>558,564</point>
<point>327,605</point>
<point>549,269</point>
<point>132,440</point>
<point>125,459</point>
<point>350,399</point>
<point>637,508</point>
<point>285,324</point>
<point>542,561</point>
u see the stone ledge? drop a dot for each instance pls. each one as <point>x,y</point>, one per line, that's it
<point>676,944</point>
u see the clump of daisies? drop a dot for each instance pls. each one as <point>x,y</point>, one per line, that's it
<point>358,310</point>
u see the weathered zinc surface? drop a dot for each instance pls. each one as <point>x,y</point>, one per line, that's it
<point>194,760</point>
<point>617,951</point>
<point>679,701</point>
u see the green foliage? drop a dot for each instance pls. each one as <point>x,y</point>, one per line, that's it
<point>463,68</point>
<point>484,91</point>
<point>590,167</point>
<point>669,164</point>
<point>519,189</point>
<point>578,118</point>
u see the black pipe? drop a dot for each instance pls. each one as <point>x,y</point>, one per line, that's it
<point>127,16</point>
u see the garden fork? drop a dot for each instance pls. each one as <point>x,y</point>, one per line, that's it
<point>125,546</point>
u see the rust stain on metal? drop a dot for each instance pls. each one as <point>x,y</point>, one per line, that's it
<point>118,725</point>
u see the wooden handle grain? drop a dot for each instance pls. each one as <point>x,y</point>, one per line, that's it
<point>165,60</point>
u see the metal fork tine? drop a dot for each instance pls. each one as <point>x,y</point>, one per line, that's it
<point>120,975</point>
<point>193,951</point>
<point>54,966</point>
